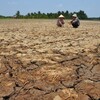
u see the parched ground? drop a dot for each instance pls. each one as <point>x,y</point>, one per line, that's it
<point>40,61</point>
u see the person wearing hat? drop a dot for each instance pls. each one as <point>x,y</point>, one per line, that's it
<point>60,21</point>
<point>75,21</point>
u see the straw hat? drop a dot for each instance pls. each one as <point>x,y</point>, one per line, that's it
<point>74,15</point>
<point>61,16</point>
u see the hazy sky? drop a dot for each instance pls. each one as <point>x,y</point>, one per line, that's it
<point>10,7</point>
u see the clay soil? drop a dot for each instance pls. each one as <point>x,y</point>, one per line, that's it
<point>40,61</point>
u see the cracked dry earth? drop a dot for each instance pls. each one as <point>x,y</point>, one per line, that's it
<point>39,61</point>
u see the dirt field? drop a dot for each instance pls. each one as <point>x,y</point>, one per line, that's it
<point>40,61</point>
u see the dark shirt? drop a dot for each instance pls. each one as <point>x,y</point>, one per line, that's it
<point>75,22</point>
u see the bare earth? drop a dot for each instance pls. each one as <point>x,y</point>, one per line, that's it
<point>40,61</point>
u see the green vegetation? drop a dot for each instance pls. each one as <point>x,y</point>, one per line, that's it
<point>38,15</point>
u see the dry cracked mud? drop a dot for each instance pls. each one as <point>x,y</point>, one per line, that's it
<point>39,61</point>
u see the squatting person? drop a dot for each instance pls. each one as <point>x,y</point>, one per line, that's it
<point>60,21</point>
<point>75,21</point>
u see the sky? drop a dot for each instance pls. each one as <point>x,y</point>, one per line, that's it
<point>10,7</point>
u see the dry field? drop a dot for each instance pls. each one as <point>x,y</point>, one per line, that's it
<point>40,61</point>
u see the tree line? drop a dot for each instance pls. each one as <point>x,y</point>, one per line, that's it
<point>39,15</point>
<point>81,14</point>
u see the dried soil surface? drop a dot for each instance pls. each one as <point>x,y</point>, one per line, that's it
<point>39,61</point>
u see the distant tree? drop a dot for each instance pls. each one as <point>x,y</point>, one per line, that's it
<point>39,14</point>
<point>62,12</point>
<point>82,15</point>
<point>66,14</point>
<point>2,16</point>
<point>17,14</point>
<point>59,12</point>
<point>50,15</point>
<point>32,14</point>
<point>28,15</point>
<point>44,15</point>
<point>70,15</point>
